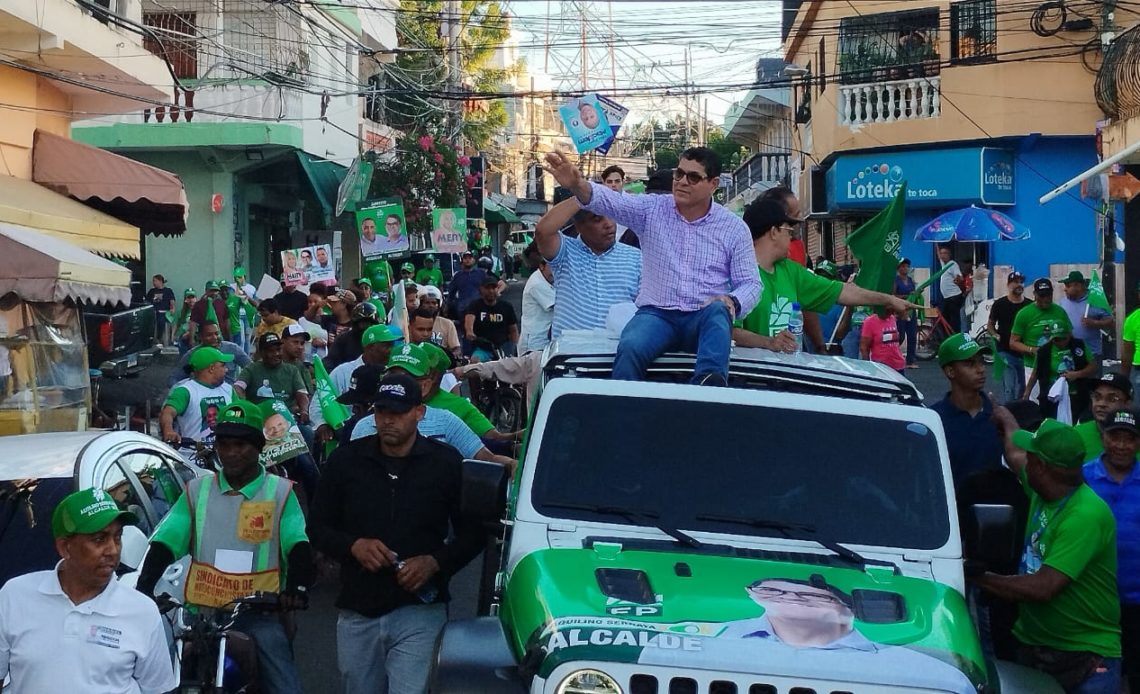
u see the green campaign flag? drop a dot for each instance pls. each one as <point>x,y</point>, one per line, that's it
<point>1096,293</point>
<point>335,414</point>
<point>211,314</point>
<point>876,246</point>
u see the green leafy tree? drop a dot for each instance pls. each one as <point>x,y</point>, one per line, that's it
<point>426,173</point>
<point>667,139</point>
<point>418,80</point>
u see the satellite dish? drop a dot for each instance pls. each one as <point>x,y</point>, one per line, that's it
<point>344,192</point>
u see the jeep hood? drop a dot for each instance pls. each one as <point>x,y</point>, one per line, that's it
<point>696,611</point>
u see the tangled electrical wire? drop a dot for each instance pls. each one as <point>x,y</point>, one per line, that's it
<point>1049,18</point>
<point>1117,85</point>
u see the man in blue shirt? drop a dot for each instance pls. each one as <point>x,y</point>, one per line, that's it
<point>1114,477</point>
<point>972,439</point>
<point>464,286</point>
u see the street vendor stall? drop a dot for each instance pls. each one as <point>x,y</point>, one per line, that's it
<point>44,380</point>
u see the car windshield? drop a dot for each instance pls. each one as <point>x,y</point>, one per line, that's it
<point>845,478</point>
<point>26,506</point>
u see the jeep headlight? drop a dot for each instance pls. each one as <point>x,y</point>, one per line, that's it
<point>588,682</point>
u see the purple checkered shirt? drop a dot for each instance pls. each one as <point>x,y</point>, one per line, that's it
<point>684,263</point>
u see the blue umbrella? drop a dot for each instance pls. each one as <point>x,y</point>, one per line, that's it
<point>972,224</point>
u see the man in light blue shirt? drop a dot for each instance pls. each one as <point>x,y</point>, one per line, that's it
<point>1087,320</point>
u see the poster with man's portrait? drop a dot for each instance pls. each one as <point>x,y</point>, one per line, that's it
<point>382,227</point>
<point>283,439</point>
<point>308,265</point>
<point>449,230</point>
<point>586,122</point>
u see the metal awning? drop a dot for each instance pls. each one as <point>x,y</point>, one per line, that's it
<point>28,204</point>
<point>39,267</point>
<point>324,178</point>
<point>145,196</point>
<point>494,213</point>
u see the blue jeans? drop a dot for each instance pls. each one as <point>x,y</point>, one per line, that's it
<point>1106,679</point>
<point>1013,380</point>
<point>389,654</point>
<point>275,666</point>
<point>909,329</point>
<point>653,331</point>
<point>850,341</point>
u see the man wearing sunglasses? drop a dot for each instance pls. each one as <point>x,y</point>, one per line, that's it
<point>786,282</point>
<point>698,269</point>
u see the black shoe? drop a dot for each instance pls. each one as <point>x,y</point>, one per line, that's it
<point>712,379</point>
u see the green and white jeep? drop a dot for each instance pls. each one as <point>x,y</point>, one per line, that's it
<point>793,534</point>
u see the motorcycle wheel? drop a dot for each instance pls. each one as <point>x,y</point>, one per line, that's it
<point>927,342</point>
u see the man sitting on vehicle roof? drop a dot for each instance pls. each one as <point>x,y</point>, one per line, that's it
<point>786,282</point>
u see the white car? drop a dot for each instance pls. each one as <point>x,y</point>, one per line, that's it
<point>141,473</point>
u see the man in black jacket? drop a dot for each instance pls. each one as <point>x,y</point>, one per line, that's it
<point>1062,357</point>
<point>383,509</point>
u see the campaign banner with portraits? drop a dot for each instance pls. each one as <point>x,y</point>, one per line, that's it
<point>449,230</point>
<point>585,121</point>
<point>615,115</point>
<point>382,227</point>
<point>308,265</point>
<point>283,439</point>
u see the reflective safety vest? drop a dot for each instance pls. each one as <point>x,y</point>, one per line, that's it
<point>235,543</point>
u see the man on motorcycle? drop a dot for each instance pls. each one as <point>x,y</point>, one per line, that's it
<point>251,519</point>
<point>191,409</point>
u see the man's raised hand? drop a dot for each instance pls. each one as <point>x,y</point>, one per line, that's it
<point>564,171</point>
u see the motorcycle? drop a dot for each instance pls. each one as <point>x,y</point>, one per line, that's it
<point>213,657</point>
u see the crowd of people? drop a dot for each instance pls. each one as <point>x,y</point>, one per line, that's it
<point>377,492</point>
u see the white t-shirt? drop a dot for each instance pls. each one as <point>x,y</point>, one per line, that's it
<point>112,644</point>
<point>537,313</point>
<point>946,281</point>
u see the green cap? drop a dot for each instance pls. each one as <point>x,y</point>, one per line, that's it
<point>409,267</point>
<point>211,285</point>
<point>239,271</point>
<point>1054,442</point>
<point>241,419</point>
<point>381,333</point>
<point>959,347</point>
<point>827,269</point>
<point>1074,276</point>
<point>365,280</point>
<point>438,358</point>
<point>190,292</point>
<point>413,359</point>
<point>204,356</point>
<point>1057,329</point>
<point>87,511</point>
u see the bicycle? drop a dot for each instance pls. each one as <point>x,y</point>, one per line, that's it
<point>502,403</point>
<point>933,331</point>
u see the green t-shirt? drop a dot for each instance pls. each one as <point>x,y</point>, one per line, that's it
<point>788,283</point>
<point>1090,434</point>
<point>1030,324</point>
<point>1076,536</point>
<point>433,277</point>
<point>262,383</point>
<point>1131,333</point>
<point>462,408</point>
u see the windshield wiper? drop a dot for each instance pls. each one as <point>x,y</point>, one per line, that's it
<point>792,531</point>
<point>633,515</point>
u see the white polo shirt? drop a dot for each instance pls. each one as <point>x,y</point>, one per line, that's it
<point>111,644</point>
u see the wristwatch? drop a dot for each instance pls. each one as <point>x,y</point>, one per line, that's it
<point>735,304</point>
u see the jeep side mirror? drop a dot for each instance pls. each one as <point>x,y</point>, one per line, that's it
<point>134,547</point>
<point>989,534</point>
<point>484,492</point>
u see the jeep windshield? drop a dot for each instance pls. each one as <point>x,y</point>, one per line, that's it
<point>699,465</point>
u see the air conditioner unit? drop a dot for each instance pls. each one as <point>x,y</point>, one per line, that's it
<point>817,190</point>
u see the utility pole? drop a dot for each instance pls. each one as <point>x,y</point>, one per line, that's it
<point>585,55</point>
<point>454,70</point>
<point>705,124</point>
<point>688,104</point>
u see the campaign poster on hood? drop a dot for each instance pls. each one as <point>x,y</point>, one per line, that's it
<point>449,230</point>
<point>585,122</point>
<point>382,227</point>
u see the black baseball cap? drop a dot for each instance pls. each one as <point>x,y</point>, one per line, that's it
<point>766,213</point>
<point>1116,381</point>
<point>268,340</point>
<point>490,279</point>
<point>364,385</point>
<point>1015,275</point>
<point>1042,285</point>
<point>398,392</point>
<point>1121,420</point>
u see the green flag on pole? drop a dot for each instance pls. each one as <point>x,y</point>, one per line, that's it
<point>335,414</point>
<point>876,246</point>
<point>1097,296</point>
<point>211,314</point>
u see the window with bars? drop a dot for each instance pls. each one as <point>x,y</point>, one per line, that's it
<point>174,40</point>
<point>888,46</point>
<point>261,38</point>
<point>973,31</point>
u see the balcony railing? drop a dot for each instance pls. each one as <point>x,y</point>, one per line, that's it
<point>766,168</point>
<point>889,102</point>
<point>1118,80</point>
